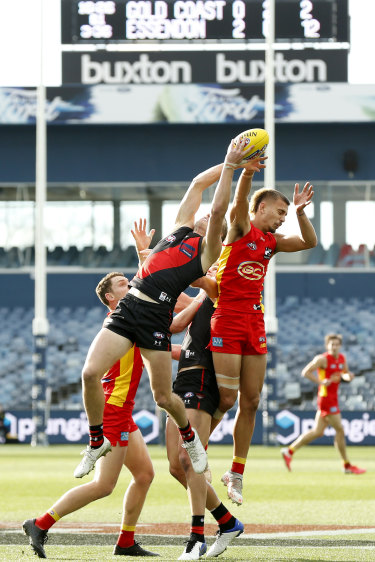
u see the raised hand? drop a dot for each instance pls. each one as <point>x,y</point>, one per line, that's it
<point>301,200</point>
<point>142,239</point>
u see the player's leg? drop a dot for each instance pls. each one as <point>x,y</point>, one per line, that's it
<point>197,489</point>
<point>305,438</point>
<point>139,463</point>
<point>340,443</point>
<point>173,441</point>
<point>251,383</point>
<point>159,368</point>
<point>106,475</point>
<point>227,369</point>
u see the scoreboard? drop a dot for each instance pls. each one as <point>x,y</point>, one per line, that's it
<point>122,21</point>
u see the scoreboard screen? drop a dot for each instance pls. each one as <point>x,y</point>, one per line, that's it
<point>119,21</point>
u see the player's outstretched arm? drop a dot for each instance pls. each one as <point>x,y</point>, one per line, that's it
<point>307,238</point>
<point>193,197</point>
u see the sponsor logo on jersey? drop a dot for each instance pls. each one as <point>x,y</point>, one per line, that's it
<point>157,343</point>
<point>189,353</point>
<point>164,297</point>
<point>267,253</point>
<point>124,435</point>
<point>170,238</point>
<point>187,249</point>
<point>217,342</point>
<point>251,270</point>
<point>159,335</point>
<point>252,245</point>
<point>262,338</point>
<point>257,307</point>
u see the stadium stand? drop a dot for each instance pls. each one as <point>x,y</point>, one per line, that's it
<point>303,322</point>
<point>102,257</point>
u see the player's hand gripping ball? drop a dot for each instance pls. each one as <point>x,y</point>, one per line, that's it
<point>258,138</point>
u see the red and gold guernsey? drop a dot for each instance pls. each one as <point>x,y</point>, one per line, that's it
<point>242,267</point>
<point>120,383</point>
<point>329,394</point>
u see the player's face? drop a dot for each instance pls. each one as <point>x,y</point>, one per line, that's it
<point>119,288</point>
<point>200,226</point>
<point>333,347</point>
<point>275,213</point>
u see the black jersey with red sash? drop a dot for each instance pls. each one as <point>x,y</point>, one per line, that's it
<point>194,347</point>
<point>173,264</point>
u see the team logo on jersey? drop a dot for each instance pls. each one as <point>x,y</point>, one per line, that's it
<point>159,335</point>
<point>187,249</point>
<point>251,270</point>
<point>217,342</point>
<point>124,435</point>
<point>262,338</point>
<point>252,245</point>
<point>164,297</point>
<point>257,307</point>
<point>170,238</point>
<point>267,253</point>
<point>188,394</point>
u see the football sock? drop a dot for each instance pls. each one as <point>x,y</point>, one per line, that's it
<point>238,465</point>
<point>46,521</point>
<point>186,433</point>
<point>197,527</point>
<point>224,518</point>
<point>346,464</point>
<point>96,436</point>
<point>290,450</point>
<point>126,536</point>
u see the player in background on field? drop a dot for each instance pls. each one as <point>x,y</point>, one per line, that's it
<point>144,315</point>
<point>238,338</point>
<point>327,371</point>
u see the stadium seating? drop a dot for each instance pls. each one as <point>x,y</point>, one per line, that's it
<point>302,326</point>
<point>102,257</point>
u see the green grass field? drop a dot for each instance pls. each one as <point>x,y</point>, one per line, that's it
<point>315,493</point>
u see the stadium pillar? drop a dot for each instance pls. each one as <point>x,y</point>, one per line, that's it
<point>269,392</point>
<point>40,322</point>
<point>116,224</point>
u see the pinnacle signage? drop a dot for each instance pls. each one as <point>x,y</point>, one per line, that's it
<point>186,67</point>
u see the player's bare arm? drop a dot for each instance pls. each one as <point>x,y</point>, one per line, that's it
<point>307,238</point>
<point>211,246</point>
<point>193,197</point>
<point>239,213</point>
<point>208,284</point>
<point>183,318</point>
<point>347,375</point>
<point>309,372</point>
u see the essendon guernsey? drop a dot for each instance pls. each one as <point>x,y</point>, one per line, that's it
<point>173,264</point>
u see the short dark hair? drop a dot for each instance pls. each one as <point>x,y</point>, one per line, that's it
<point>104,286</point>
<point>329,337</point>
<point>265,193</point>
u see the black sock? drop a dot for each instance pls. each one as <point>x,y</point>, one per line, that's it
<point>224,518</point>
<point>197,528</point>
<point>96,436</point>
<point>186,433</point>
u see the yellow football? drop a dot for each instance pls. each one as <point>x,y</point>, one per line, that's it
<point>258,138</point>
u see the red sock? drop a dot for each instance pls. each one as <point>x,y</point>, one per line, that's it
<point>96,436</point>
<point>238,465</point>
<point>186,433</point>
<point>46,521</point>
<point>126,536</point>
<point>290,451</point>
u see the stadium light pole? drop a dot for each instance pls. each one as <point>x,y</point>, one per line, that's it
<point>269,177</point>
<point>40,321</point>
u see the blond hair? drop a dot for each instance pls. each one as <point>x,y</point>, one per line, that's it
<point>263,194</point>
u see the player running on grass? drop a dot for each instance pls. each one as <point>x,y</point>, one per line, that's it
<point>145,314</point>
<point>327,371</point>
<point>238,338</point>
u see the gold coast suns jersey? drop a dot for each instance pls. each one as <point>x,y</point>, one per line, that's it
<point>242,267</point>
<point>120,383</point>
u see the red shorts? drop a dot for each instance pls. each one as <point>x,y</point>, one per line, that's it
<point>328,407</point>
<point>118,423</point>
<point>238,333</point>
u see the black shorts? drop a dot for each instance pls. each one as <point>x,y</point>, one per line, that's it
<point>144,323</point>
<point>198,389</point>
